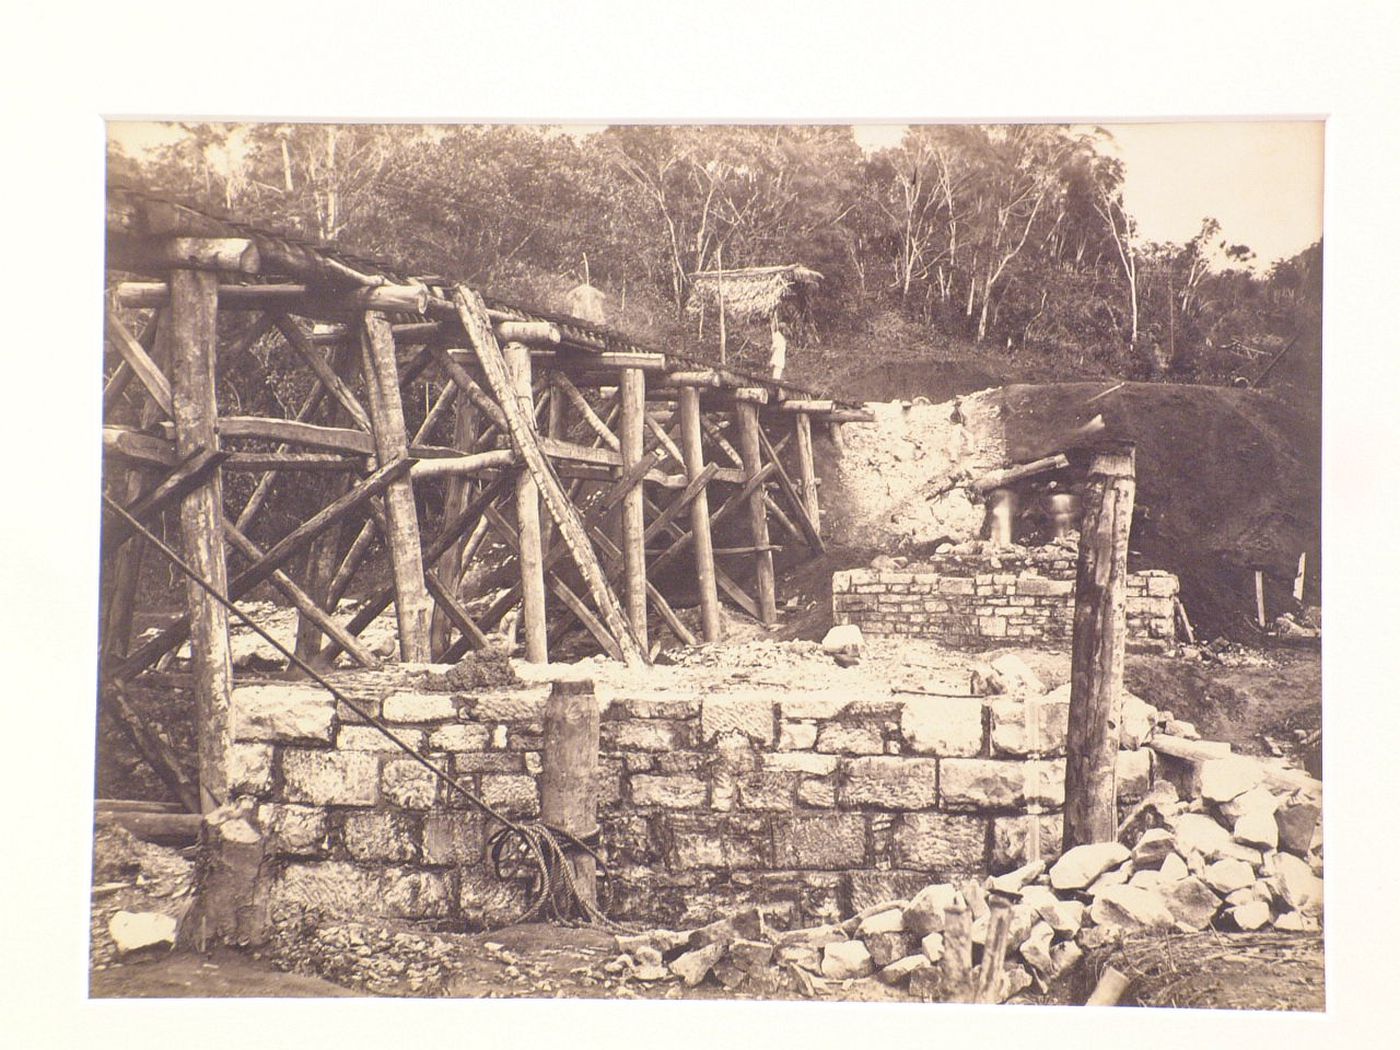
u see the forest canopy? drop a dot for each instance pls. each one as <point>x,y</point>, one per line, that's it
<point>997,240</point>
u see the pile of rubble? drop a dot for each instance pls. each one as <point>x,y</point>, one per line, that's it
<point>1240,857</point>
<point>370,956</point>
<point>140,893</point>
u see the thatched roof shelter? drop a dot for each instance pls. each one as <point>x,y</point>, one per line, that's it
<point>752,292</point>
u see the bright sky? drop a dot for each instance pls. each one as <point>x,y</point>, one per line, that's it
<point>1261,179</point>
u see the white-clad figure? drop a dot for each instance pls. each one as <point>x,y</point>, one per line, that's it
<point>777,357</point>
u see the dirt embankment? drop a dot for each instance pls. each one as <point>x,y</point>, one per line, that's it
<point>1228,480</point>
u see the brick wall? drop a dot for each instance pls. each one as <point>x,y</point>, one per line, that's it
<point>1025,599</point>
<point>813,804</point>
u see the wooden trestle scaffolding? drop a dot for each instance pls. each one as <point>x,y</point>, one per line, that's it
<point>640,457</point>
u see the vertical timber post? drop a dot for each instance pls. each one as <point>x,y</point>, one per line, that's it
<point>689,401</point>
<point>527,521</point>
<point>746,408</point>
<point>322,557</point>
<point>807,468</point>
<point>632,398</point>
<point>187,337</point>
<point>458,494</point>
<point>411,600</point>
<point>568,780</point>
<point>556,426</point>
<point>1100,633</point>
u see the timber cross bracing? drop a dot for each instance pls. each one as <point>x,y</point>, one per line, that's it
<point>594,462</point>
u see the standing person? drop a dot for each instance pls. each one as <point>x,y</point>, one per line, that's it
<point>777,356</point>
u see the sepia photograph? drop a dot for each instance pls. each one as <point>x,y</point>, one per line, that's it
<point>818,561</point>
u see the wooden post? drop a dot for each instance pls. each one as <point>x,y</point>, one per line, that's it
<point>322,557</point>
<point>568,781</point>
<point>749,449</point>
<point>188,334</point>
<point>1100,631</point>
<point>689,401</point>
<point>1001,515</point>
<point>1259,600</point>
<point>411,600</point>
<point>632,397</point>
<point>807,468</point>
<point>989,977</point>
<point>1110,989</point>
<point>957,953</point>
<point>459,491</point>
<point>527,522</point>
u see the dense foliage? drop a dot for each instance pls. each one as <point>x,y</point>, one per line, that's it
<point>1009,240</point>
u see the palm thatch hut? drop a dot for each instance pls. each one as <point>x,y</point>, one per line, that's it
<point>751,293</point>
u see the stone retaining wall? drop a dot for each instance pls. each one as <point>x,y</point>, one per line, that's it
<point>812,804</point>
<point>1025,599</point>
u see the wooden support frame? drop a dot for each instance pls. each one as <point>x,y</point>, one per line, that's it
<point>751,448</point>
<point>191,473</point>
<point>689,399</point>
<point>595,514</point>
<point>807,469</point>
<point>303,602</point>
<point>632,396</point>
<point>449,534</point>
<point>811,534</point>
<point>189,335</point>
<point>472,313</point>
<point>322,369</point>
<point>595,423</point>
<point>411,599</point>
<point>141,365</point>
<point>529,542</point>
<point>1100,637</point>
<point>278,555</point>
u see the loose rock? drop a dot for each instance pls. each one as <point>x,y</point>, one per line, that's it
<point>692,967</point>
<point>1131,908</point>
<point>134,930</point>
<point>846,959</point>
<point>1080,866</point>
<point>1228,875</point>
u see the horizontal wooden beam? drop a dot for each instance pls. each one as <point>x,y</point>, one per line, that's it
<point>755,395</point>
<point>844,415</point>
<point>707,377</point>
<point>137,447</point>
<point>315,462</point>
<point>806,406</point>
<point>463,466</point>
<point>292,298</point>
<point>292,432</point>
<point>998,478</point>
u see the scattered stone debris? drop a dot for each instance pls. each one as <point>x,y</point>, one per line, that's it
<point>140,894</point>
<point>1241,856</point>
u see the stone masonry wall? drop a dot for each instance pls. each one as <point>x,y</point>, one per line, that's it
<point>1025,599</point>
<point>812,804</point>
